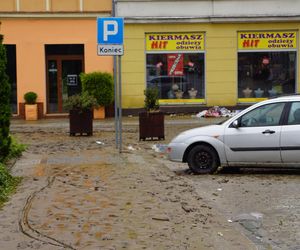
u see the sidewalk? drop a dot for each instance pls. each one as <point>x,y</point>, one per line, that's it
<point>80,195</point>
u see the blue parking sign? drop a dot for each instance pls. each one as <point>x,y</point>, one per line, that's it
<point>110,30</point>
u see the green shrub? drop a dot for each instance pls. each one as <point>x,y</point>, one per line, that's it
<point>100,85</point>
<point>151,99</point>
<point>5,112</point>
<point>16,149</point>
<point>81,102</point>
<point>30,97</point>
<point>8,183</point>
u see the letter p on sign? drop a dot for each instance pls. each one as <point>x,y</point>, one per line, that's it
<point>110,30</point>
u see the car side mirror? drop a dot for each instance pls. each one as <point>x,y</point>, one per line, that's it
<point>235,124</point>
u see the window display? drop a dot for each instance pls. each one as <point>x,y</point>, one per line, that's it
<point>177,76</point>
<point>175,65</point>
<point>265,68</point>
<point>266,74</point>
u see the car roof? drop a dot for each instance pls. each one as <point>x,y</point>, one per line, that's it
<point>288,98</point>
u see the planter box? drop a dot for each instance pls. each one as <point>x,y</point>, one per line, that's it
<point>99,113</point>
<point>31,112</point>
<point>81,122</point>
<point>152,125</point>
<point>40,107</point>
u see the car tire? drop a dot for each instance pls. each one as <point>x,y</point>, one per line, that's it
<point>203,159</point>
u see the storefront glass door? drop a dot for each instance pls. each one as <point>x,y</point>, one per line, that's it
<point>62,80</point>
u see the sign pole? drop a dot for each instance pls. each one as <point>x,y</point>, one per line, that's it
<point>120,105</point>
<point>115,84</point>
<point>110,43</point>
<point>116,101</point>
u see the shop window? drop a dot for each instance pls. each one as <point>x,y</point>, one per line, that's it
<point>177,75</point>
<point>11,71</point>
<point>266,74</point>
<point>266,63</point>
<point>175,65</point>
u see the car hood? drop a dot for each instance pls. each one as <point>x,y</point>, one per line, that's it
<point>211,130</point>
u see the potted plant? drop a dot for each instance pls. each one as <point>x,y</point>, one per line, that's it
<point>151,122</point>
<point>31,110</point>
<point>80,109</point>
<point>99,85</point>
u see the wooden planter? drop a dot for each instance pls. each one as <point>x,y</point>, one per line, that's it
<point>40,110</point>
<point>31,112</point>
<point>81,122</point>
<point>152,125</point>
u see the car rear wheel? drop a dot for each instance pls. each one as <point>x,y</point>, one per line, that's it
<point>203,159</point>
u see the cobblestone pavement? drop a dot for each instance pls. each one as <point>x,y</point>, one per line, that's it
<point>77,194</point>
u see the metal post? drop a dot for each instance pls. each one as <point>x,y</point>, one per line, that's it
<point>113,13</point>
<point>120,105</point>
<point>116,102</point>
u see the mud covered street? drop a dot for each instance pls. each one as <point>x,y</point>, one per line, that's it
<point>79,194</point>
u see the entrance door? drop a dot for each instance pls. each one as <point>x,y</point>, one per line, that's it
<point>62,80</point>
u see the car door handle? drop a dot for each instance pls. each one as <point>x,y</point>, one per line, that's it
<point>268,131</point>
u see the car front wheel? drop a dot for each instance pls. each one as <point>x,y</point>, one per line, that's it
<point>203,159</point>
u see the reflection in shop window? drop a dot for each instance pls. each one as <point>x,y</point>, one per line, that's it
<point>176,75</point>
<point>266,74</point>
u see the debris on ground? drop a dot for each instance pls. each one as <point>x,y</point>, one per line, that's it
<point>251,221</point>
<point>216,111</point>
<point>131,148</point>
<point>159,148</point>
<point>100,142</point>
<point>220,234</point>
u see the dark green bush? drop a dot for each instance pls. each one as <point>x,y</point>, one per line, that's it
<point>5,112</point>
<point>30,97</point>
<point>151,99</point>
<point>100,85</point>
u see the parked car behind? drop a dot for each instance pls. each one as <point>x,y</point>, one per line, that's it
<point>265,134</point>
<point>165,83</point>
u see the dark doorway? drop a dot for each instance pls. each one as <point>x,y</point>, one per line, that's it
<point>64,64</point>
<point>11,71</point>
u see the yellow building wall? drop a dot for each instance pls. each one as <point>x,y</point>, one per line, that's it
<point>30,37</point>
<point>221,59</point>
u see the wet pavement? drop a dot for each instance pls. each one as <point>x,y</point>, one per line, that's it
<point>80,194</point>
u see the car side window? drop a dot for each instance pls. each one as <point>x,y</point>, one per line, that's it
<point>266,115</point>
<point>294,114</point>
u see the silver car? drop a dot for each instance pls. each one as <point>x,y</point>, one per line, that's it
<point>265,134</point>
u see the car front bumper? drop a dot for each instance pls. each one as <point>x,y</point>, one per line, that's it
<point>176,151</point>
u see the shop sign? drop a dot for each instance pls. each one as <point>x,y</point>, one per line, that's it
<point>175,41</point>
<point>275,40</point>
<point>175,64</point>
<point>110,36</point>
